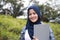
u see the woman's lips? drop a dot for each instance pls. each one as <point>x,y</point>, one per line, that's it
<point>33,18</point>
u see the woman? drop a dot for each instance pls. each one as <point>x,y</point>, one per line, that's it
<point>34,17</point>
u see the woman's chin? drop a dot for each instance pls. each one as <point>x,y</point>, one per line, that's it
<point>34,21</point>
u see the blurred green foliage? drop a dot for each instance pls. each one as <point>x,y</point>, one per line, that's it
<point>10,28</point>
<point>56,29</point>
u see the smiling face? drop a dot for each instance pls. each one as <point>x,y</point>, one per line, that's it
<point>33,15</point>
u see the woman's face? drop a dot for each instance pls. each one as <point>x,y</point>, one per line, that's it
<point>33,15</point>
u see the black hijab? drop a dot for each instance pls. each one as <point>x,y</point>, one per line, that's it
<point>30,25</point>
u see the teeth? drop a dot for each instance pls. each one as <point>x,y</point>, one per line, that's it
<point>33,18</point>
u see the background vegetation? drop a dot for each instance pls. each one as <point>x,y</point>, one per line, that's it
<point>10,27</point>
<point>56,29</point>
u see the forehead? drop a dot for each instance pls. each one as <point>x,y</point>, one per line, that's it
<point>31,10</point>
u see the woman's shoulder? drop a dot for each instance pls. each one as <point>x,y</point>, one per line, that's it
<point>22,33</point>
<point>42,22</point>
<point>23,29</point>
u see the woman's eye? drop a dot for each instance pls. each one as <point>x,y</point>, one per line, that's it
<point>34,13</point>
<point>29,14</point>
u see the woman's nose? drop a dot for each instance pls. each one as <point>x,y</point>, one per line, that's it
<point>32,15</point>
